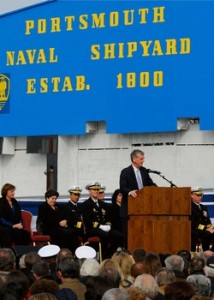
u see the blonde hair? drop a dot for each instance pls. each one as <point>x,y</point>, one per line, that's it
<point>125,261</point>
<point>109,263</point>
<point>42,296</point>
<point>135,293</point>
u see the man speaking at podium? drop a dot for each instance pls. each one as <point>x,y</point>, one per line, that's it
<point>132,179</point>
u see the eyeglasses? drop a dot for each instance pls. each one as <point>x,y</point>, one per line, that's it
<point>78,195</point>
<point>95,189</point>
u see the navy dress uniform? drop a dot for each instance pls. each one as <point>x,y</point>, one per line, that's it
<point>201,225</point>
<point>73,213</point>
<point>97,222</point>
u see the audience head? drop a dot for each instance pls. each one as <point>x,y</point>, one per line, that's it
<point>209,268</point>
<point>44,286</point>
<point>179,290</point>
<point>116,294</point>
<point>89,267</point>
<point>22,281</point>
<point>22,261</point>
<point>62,253</point>
<point>68,267</point>
<point>136,293</point>
<point>197,297</point>
<point>186,254</point>
<point>206,254</point>
<point>200,283</point>
<point>137,269</point>
<point>152,263</point>
<point>30,259</point>
<point>147,284</point>
<point>7,260</point>
<point>96,287</point>
<point>40,270</point>
<point>111,264</point>
<point>11,291</point>
<point>164,276</point>
<point>112,275</point>
<point>175,263</point>
<point>139,255</point>
<point>43,296</point>
<point>196,265</point>
<point>49,253</point>
<point>125,261</point>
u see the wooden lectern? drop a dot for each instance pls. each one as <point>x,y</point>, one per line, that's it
<point>159,219</point>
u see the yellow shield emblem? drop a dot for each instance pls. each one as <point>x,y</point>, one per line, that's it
<point>4,90</point>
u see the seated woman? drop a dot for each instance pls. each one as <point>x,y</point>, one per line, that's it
<point>10,218</point>
<point>53,222</point>
<point>114,210</point>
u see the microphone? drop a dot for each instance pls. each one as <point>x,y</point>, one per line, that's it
<point>153,171</point>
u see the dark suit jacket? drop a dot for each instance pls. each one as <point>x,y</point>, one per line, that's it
<point>128,183</point>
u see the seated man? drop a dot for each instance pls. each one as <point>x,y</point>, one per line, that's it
<point>72,212</point>
<point>97,223</point>
<point>201,226</point>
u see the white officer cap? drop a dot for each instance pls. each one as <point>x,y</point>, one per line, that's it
<point>85,252</point>
<point>93,185</point>
<point>102,188</point>
<point>48,251</point>
<point>76,189</point>
<point>197,190</point>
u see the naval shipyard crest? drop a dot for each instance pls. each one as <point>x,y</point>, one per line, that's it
<point>4,91</point>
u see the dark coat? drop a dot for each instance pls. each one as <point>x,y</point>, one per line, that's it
<point>9,216</point>
<point>114,216</point>
<point>128,183</point>
<point>61,236</point>
<point>49,217</point>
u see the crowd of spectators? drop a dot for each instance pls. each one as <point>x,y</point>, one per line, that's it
<point>61,275</point>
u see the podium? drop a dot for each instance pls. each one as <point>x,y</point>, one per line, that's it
<point>159,219</point>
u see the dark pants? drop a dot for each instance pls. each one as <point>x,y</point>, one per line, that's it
<point>65,238</point>
<point>125,231</point>
<point>20,236</point>
<point>204,237</point>
<point>5,237</point>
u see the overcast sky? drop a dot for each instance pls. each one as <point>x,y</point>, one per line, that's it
<point>7,6</point>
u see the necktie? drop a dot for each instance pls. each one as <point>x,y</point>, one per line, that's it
<point>139,179</point>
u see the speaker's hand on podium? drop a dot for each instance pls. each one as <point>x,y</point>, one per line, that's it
<point>133,193</point>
